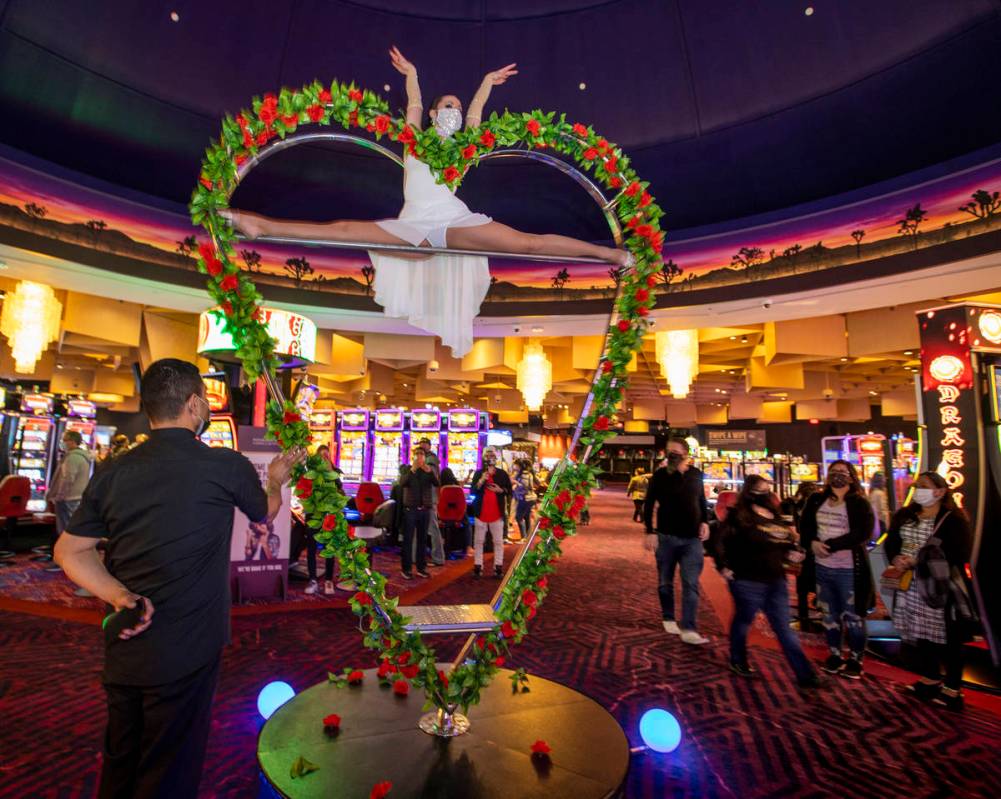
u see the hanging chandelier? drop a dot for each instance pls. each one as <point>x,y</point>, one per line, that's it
<point>30,321</point>
<point>535,375</point>
<point>678,356</point>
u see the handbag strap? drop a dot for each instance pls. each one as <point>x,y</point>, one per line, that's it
<point>932,539</point>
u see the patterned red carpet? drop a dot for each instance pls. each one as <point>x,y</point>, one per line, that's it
<point>599,633</point>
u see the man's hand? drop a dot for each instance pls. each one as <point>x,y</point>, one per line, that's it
<point>727,574</point>
<point>904,562</point>
<point>797,556</point>
<point>820,549</point>
<point>281,466</point>
<point>650,542</point>
<point>126,599</point>
<point>703,531</point>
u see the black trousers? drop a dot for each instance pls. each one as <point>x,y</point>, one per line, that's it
<point>932,656</point>
<point>154,745</point>
<point>638,510</point>
<point>415,525</point>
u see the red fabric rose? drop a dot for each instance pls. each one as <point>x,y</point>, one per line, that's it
<point>615,182</point>
<point>380,789</point>
<point>559,533</point>
<point>304,488</point>
<point>601,423</point>
<point>480,644</point>
<point>651,281</point>
<point>355,95</point>
<point>507,630</point>
<point>229,283</point>
<point>401,688</point>
<point>611,163</point>
<point>324,96</point>
<point>403,658</point>
<point>329,522</point>
<point>533,127</point>
<point>205,182</point>
<point>529,598</point>
<point>545,524</point>
<point>355,677</point>
<point>602,144</point>
<point>657,240</point>
<point>645,200</point>
<point>444,679</point>
<point>563,499</point>
<point>590,154</point>
<point>499,661</point>
<point>450,173</point>
<point>315,112</point>
<point>634,189</point>
<point>579,129</point>
<point>633,223</point>
<point>607,366</point>
<point>290,120</point>
<point>381,123</point>
<point>262,137</point>
<point>623,325</point>
<point>643,311</point>
<point>406,135</point>
<point>213,266</point>
<point>239,158</point>
<point>487,139</point>
<point>333,720</point>
<point>385,669</point>
<point>410,671</point>
<point>206,250</point>
<point>362,598</point>
<point>642,295</point>
<point>469,151</point>
<point>644,231</point>
<point>530,615</point>
<point>353,118</point>
<point>227,308</point>
<point>579,501</point>
<point>241,120</point>
<point>541,748</point>
<point>290,417</point>
<point>351,532</point>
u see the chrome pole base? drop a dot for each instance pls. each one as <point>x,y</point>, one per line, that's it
<point>444,725</point>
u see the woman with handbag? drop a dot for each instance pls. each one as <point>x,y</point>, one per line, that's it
<point>836,526</point>
<point>932,519</point>
<point>756,552</point>
<point>525,496</point>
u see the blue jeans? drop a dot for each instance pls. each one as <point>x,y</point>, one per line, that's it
<point>415,526</point>
<point>836,600</point>
<point>64,508</point>
<point>672,551</point>
<point>750,596</point>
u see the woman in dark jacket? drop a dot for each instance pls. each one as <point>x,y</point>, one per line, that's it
<point>836,526</point>
<point>938,633</point>
<point>754,547</point>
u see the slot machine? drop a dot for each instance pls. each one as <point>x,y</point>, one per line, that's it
<point>867,453</point>
<point>803,473</point>
<point>389,445</point>
<point>352,446</point>
<point>426,423</point>
<point>221,431</point>
<point>321,425</point>
<point>765,468</point>
<point>80,416</point>
<point>33,444</point>
<point>719,476</point>
<point>905,466</point>
<point>467,434</point>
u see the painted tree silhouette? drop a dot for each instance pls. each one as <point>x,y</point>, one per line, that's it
<point>36,211</point>
<point>187,245</point>
<point>95,226</point>
<point>912,220</point>
<point>792,252</point>
<point>368,273</point>
<point>298,268</point>
<point>747,257</point>
<point>983,205</point>
<point>669,271</point>
<point>858,235</point>
<point>560,279</point>
<point>252,260</point>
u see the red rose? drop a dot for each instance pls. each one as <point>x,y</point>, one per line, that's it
<point>355,677</point>
<point>333,720</point>
<point>315,112</point>
<point>645,200</point>
<point>290,417</point>
<point>499,661</point>
<point>355,95</point>
<point>601,423</point>
<point>410,671</point>
<point>213,266</point>
<point>362,598</point>
<point>444,679</point>
<point>401,688</point>
<point>380,789</point>
<point>241,120</point>
<point>267,115</point>
<point>239,158</point>
<point>450,173</point>
<point>385,669</point>
<point>507,630</point>
<point>403,658</point>
<point>611,163</point>
<point>227,308</point>
<point>205,182</point>
<point>643,311</point>
<point>487,139</point>
<point>406,135</point>
<point>351,532</point>
<point>562,499</point>
<point>615,182</point>
<point>657,240</point>
<point>480,644</point>
<point>262,137</point>
<point>206,250</point>
<point>541,748</point>
<point>353,118</point>
<point>530,615</point>
<point>290,120</point>
<point>579,501</point>
<point>651,281</point>
<point>633,189</point>
<point>492,648</point>
<point>540,145</point>
<point>642,295</point>
<point>469,151</point>
<point>559,533</point>
<point>644,231</point>
<point>590,154</point>
<point>579,129</point>
<point>607,366</point>
<point>304,488</point>
<point>542,583</point>
<point>324,96</point>
<point>329,522</point>
<point>633,223</point>
<point>229,283</point>
<point>623,325</point>
<point>529,597</point>
<point>381,123</point>
<point>545,524</point>
<point>533,127</point>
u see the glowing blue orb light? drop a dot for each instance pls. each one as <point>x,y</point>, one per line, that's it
<point>273,696</point>
<point>660,730</point>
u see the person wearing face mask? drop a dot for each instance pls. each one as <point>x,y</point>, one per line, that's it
<point>441,293</point>
<point>492,488</point>
<point>836,526</point>
<point>755,547</point>
<point>166,510</point>
<point>938,633</point>
<point>677,491</point>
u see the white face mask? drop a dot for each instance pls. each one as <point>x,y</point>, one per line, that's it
<point>447,121</point>
<point>925,497</point>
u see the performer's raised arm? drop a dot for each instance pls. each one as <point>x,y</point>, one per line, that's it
<point>475,114</point>
<point>415,106</point>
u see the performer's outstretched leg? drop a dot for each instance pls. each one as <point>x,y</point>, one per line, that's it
<point>502,238</point>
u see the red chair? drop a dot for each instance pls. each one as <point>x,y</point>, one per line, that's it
<point>724,501</point>
<point>368,498</point>
<point>452,519</point>
<point>15,491</point>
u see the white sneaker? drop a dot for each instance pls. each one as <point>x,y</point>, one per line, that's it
<point>692,637</point>
<point>328,587</point>
<point>312,588</point>
<point>672,627</point>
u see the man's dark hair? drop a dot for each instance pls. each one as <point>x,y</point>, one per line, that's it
<point>682,442</point>
<point>166,386</point>
<point>425,440</point>
<point>74,436</point>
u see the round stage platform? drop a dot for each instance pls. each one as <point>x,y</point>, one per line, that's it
<point>379,740</point>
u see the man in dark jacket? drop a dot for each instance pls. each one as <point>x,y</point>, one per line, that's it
<point>492,487</point>
<point>682,525</point>
<point>418,500</point>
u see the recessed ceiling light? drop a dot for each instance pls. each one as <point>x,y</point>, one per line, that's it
<point>537,329</point>
<point>175,17</point>
<point>582,85</point>
<point>843,360</point>
<point>733,338</point>
<point>743,339</point>
<point>908,352</point>
<point>808,11</point>
<point>385,87</point>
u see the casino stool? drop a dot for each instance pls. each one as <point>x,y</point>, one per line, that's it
<point>15,491</point>
<point>452,519</point>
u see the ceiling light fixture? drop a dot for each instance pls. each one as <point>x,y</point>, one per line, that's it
<point>743,339</point>
<point>677,352</point>
<point>30,321</point>
<point>534,375</point>
<point>582,86</point>
<point>808,11</point>
<point>175,17</point>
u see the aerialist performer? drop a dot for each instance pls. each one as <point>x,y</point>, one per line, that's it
<point>438,293</point>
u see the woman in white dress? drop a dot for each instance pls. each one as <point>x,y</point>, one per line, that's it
<point>439,293</point>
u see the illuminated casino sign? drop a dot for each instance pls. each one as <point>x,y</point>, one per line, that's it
<point>85,409</point>
<point>425,420</point>
<point>354,419</point>
<point>36,403</point>
<point>295,334</point>
<point>464,419</point>
<point>389,419</point>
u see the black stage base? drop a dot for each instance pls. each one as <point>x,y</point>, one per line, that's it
<point>379,740</point>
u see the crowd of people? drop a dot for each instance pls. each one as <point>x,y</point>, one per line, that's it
<point>820,538</point>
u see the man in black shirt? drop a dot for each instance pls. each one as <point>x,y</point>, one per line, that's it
<point>418,500</point>
<point>166,510</point>
<point>682,526</point>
